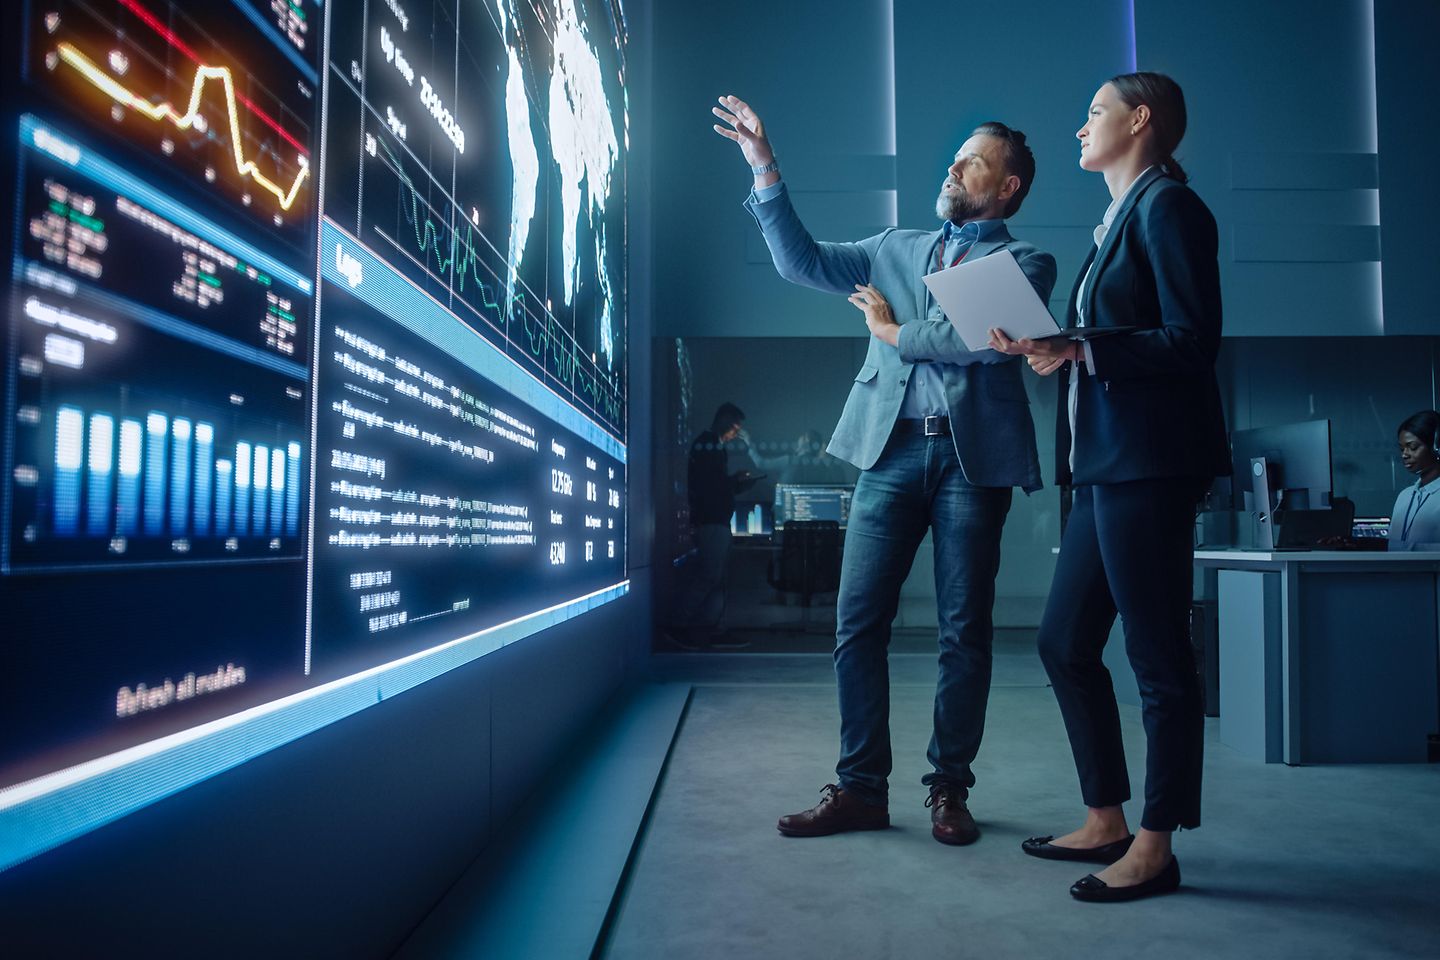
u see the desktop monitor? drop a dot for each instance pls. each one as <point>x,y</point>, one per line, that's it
<point>1370,528</point>
<point>804,501</point>
<point>1297,458</point>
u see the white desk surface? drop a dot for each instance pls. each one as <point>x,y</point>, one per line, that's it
<point>1312,556</point>
<point>1319,556</point>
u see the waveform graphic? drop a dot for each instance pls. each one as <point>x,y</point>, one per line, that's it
<point>192,117</point>
<point>546,340</point>
<point>462,258</point>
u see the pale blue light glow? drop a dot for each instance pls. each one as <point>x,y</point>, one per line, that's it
<point>261,480</point>
<point>127,506</point>
<point>204,474</point>
<point>102,471</point>
<point>69,454</point>
<point>157,425</point>
<point>242,488</point>
<point>277,490</point>
<point>180,477</point>
<point>224,489</point>
<point>292,489</point>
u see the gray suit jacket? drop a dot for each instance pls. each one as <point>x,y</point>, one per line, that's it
<point>989,409</point>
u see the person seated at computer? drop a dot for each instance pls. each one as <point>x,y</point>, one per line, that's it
<point>1415,521</point>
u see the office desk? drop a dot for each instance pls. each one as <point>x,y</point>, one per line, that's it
<point>1327,656</point>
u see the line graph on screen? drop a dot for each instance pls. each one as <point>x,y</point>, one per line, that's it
<point>452,250</point>
<point>230,123</point>
<point>193,117</point>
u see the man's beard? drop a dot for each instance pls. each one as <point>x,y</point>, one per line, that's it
<point>959,206</point>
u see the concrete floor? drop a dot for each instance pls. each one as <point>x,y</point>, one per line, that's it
<point>1313,862</point>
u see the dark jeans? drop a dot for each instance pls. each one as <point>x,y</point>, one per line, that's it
<point>701,602</point>
<point>1128,548</point>
<point>917,485</point>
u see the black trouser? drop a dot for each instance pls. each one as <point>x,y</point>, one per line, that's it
<point>1129,547</point>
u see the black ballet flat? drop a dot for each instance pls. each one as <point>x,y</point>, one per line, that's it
<point>1092,889</point>
<point>1106,853</point>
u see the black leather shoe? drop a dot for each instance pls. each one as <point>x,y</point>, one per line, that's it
<point>950,819</point>
<point>837,812</point>
<point>1092,889</point>
<point>1106,853</point>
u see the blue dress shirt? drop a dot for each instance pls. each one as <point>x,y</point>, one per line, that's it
<point>925,393</point>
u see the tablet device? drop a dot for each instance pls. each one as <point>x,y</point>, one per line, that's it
<point>1085,333</point>
<point>991,291</point>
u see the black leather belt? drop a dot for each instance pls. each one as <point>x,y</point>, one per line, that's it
<point>929,426</point>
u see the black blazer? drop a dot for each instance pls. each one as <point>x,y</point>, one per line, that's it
<point>1152,408</point>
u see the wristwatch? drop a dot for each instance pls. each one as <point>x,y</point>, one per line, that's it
<point>772,167</point>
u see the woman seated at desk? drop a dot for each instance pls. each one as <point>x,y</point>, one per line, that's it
<point>1415,521</point>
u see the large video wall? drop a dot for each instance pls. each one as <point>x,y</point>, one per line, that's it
<point>315,354</point>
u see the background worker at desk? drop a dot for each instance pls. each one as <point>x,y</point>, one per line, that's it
<point>1415,521</point>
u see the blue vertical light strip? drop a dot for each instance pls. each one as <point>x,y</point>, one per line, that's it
<point>242,488</point>
<point>1134,46</point>
<point>157,425</point>
<point>69,454</point>
<point>292,489</point>
<point>204,476</point>
<point>181,431</point>
<point>127,500</point>
<point>224,494</point>
<point>277,491</point>
<point>260,477</point>
<point>101,474</point>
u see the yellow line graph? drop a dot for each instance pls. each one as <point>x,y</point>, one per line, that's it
<point>160,111</point>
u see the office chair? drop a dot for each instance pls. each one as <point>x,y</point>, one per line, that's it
<point>808,562</point>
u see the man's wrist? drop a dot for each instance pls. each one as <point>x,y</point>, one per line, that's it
<point>773,166</point>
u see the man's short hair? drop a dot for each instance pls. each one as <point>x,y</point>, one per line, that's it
<point>727,416</point>
<point>1019,159</point>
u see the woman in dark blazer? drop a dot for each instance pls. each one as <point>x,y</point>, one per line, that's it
<point>1141,435</point>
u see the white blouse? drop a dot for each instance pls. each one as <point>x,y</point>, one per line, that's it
<point>1415,521</point>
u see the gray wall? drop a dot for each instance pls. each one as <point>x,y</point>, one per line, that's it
<point>821,76</point>
<point>1289,102</point>
<point>1363,386</point>
<point>1407,74</point>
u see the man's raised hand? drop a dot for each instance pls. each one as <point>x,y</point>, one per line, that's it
<point>743,125</point>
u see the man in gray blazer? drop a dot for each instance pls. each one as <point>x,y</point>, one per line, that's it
<point>941,434</point>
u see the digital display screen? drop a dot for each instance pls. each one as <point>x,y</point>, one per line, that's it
<point>794,501</point>
<point>315,364</point>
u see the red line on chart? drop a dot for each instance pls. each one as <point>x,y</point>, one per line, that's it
<point>154,24</point>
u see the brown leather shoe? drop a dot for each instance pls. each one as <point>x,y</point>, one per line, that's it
<point>950,820</point>
<point>837,812</point>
